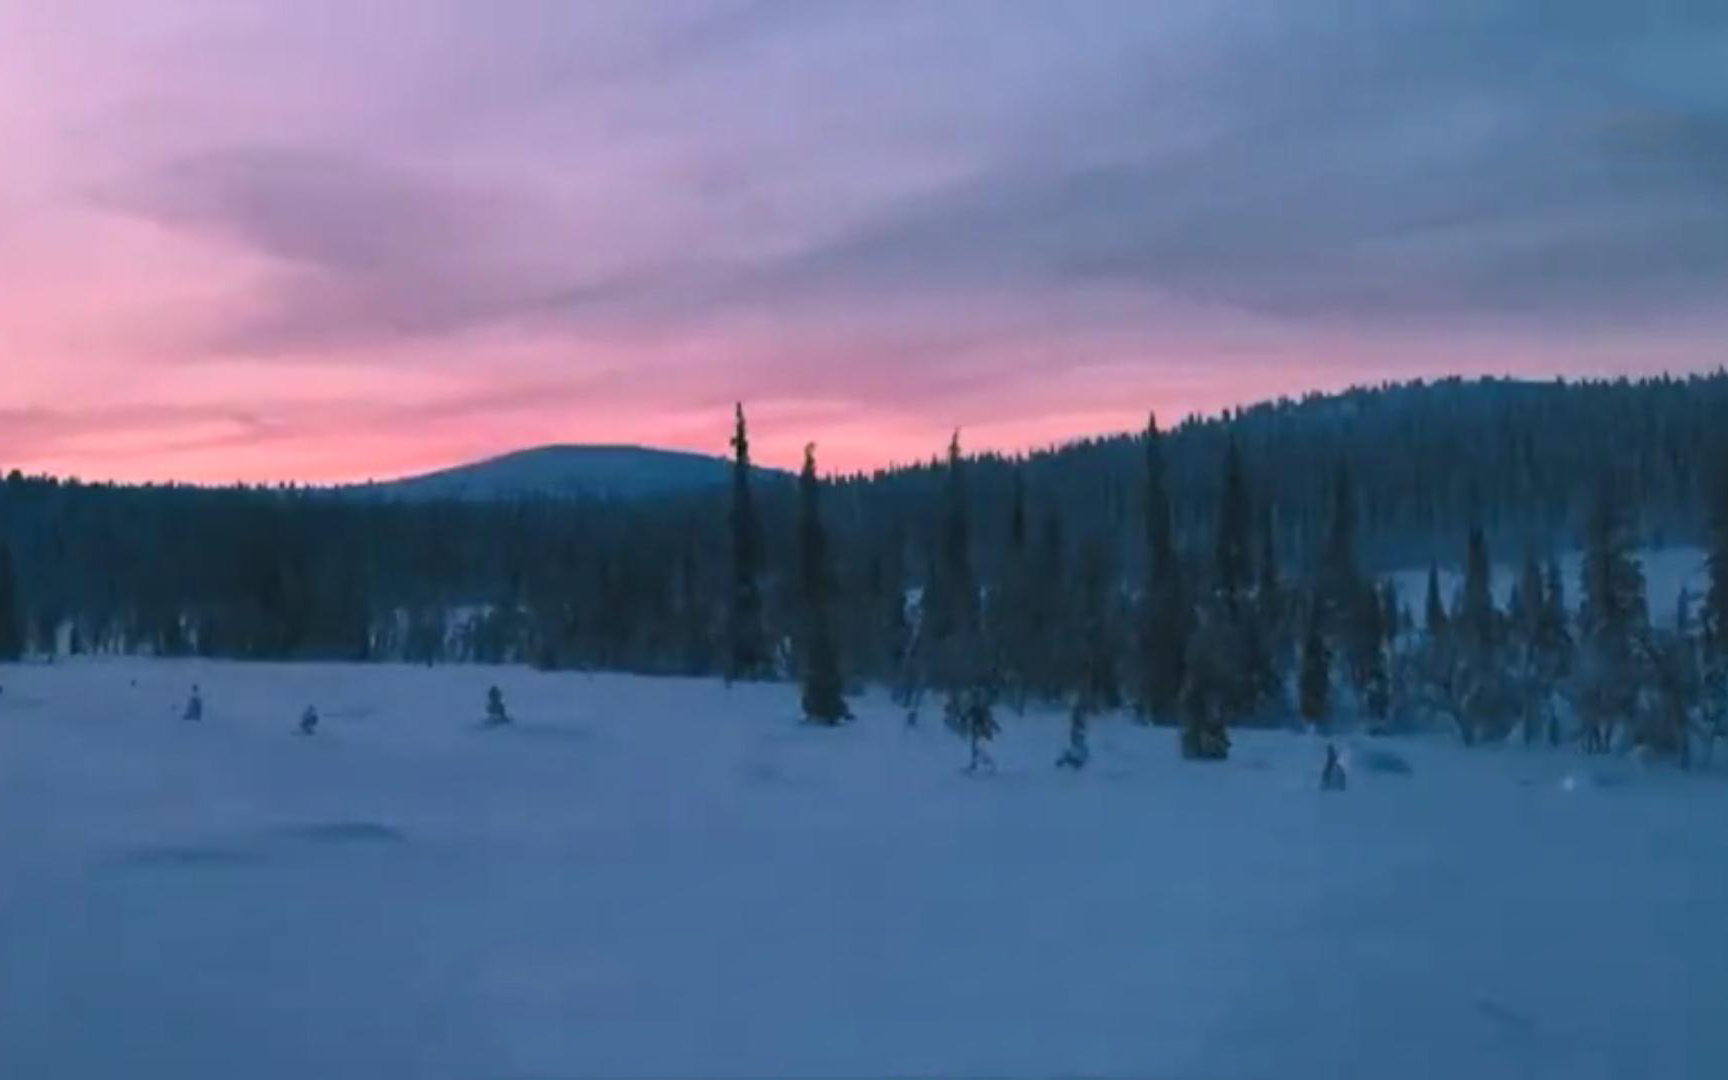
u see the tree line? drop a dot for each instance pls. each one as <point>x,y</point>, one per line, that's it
<point>1222,573</point>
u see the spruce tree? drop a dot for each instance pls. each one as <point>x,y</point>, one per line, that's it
<point>967,671</point>
<point>1524,612</point>
<point>1374,680</point>
<point>1476,615</point>
<point>1011,603</point>
<point>1267,587</point>
<point>1339,573</point>
<point>1045,587</point>
<point>11,611</point>
<point>1094,652</point>
<point>1231,562</point>
<point>824,698</point>
<point>1553,642</point>
<point>1487,703</point>
<point>1523,642</point>
<point>747,652</point>
<point>1315,681</point>
<point>1168,616</point>
<point>1434,620</point>
<point>1714,616</point>
<point>1611,613</point>
<point>1225,672</point>
<point>1271,633</point>
<point>1207,695</point>
<point>1715,611</point>
<point>1392,615</point>
<point>953,594</point>
<point>1553,634</point>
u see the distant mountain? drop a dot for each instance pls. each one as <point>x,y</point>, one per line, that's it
<point>606,472</point>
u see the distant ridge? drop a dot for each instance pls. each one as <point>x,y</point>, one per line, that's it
<point>564,471</point>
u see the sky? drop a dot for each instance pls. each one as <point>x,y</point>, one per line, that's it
<point>343,239</point>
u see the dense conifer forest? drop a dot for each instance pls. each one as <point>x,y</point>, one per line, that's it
<point>1223,572</point>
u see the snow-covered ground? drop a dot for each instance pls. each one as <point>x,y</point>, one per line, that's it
<point>667,878</point>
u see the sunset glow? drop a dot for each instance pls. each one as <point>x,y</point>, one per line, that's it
<point>331,241</point>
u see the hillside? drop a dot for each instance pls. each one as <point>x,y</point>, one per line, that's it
<point>565,471</point>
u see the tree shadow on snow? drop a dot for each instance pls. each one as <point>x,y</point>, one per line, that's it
<point>186,857</point>
<point>518,729</point>
<point>342,833</point>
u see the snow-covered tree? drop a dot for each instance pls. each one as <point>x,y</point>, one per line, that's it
<point>1611,614</point>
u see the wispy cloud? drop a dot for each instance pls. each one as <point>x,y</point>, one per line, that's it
<point>909,210</point>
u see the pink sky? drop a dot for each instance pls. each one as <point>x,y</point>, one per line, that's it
<point>332,241</point>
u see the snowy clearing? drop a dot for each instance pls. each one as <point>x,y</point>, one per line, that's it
<point>1667,571</point>
<point>669,878</point>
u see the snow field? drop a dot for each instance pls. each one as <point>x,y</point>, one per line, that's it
<point>670,878</point>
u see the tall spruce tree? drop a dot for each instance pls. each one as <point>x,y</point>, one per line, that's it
<point>1715,611</point>
<point>824,697</point>
<point>1046,583</point>
<point>1314,683</point>
<point>1226,668</point>
<point>1272,634</point>
<point>1232,563</point>
<point>747,649</point>
<point>1393,617</point>
<point>1222,684</point>
<point>1553,632</point>
<point>1714,615</point>
<point>953,594</point>
<point>1524,612</point>
<point>1093,670</point>
<point>1267,586</point>
<point>1611,613</point>
<point>1011,606</point>
<point>1476,615</point>
<point>1523,643</point>
<point>1487,702</point>
<point>11,610</point>
<point>1373,678</point>
<point>1338,579</point>
<point>1352,604</point>
<point>1167,618</point>
<point>1434,620</point>
<point>967,669</point>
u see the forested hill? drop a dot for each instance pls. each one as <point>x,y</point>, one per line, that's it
<point>600,472</point>
<point>647,584</point>
<point>1520,458</point>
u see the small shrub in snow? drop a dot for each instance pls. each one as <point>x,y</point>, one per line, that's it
<point>1332,773</point>
<point>496,714</point>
